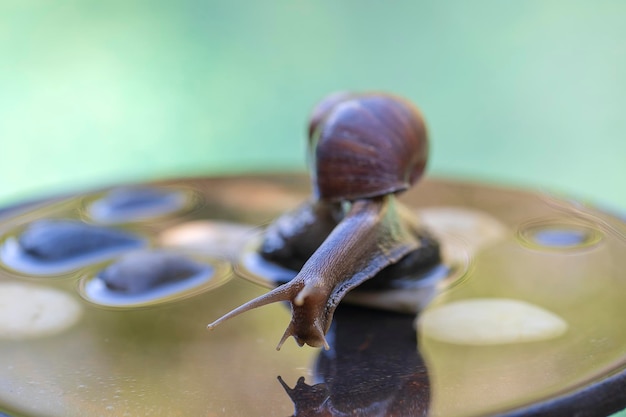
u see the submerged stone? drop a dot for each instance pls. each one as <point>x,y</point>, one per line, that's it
<point>139,272</point>
<point>64,240</point>
<point>134,203</point>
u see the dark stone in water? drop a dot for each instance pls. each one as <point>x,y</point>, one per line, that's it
<point>134,202</point>
<point>62,240</point>
<point>143,271</point>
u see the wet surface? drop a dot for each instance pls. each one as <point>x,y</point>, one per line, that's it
<point>139,344</point>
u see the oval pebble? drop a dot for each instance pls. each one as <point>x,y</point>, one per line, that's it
<point>212,237</point>
<point>475,228</point>
<point>139,272</point>
<point>29,311</point>
<point>136,203</point>
<point>490,321</point>
<point>62,240</point>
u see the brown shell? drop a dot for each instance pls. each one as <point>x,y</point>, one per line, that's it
<point>322,108</point>
<point>366,145</point>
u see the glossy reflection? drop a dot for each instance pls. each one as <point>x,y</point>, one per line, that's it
<point>558,235</point>
<point>373,368</point>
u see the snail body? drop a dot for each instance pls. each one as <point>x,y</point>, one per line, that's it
<point>365,149</point>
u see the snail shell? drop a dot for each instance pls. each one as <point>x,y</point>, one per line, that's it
<point>366,145</point>
<point>321,109</point>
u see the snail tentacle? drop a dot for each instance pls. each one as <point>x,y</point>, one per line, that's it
<point>282,293</point>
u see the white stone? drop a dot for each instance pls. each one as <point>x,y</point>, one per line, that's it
<point>490,321</point>
<point>30,311</point>
<point>475,229</point>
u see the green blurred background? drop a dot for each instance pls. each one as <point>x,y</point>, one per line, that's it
<point>526,93</point>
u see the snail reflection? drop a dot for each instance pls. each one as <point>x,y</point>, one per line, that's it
<point>372,368</point>
<point>365,149</point>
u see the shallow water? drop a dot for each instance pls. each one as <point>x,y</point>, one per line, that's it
<point>150,353</point>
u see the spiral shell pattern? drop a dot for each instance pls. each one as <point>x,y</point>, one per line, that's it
<point>366,145</point>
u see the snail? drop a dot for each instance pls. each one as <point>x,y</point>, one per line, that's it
<point>365,149</point>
